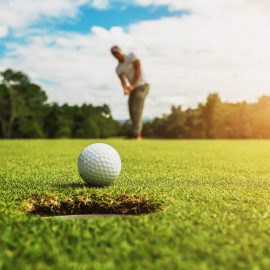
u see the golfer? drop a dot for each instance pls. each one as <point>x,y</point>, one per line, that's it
<point>130,73</point>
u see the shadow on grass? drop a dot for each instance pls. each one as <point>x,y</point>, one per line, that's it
<point>74,185</point>
<point>93,204</point>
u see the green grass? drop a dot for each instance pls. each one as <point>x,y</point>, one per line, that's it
<point>215,194</point>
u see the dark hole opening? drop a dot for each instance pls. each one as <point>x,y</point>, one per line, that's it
<point>90,204</point>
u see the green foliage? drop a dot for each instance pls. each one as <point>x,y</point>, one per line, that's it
<point>214,119</point>
<point>94,121</point>
<point>32,110</point>
<point>21,106</point>
<point>84,121</point>
<point>25,113</point>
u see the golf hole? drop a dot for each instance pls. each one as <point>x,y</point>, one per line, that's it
<point>90,205</point>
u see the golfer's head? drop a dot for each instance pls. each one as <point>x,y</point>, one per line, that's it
<point>117,53</point>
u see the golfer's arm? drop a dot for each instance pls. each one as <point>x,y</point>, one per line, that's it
<point>137,73</point>
<point>123,81</point>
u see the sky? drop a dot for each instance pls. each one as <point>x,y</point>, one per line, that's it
<point>188,49</point>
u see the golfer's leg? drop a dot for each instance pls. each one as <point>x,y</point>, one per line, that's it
<point>140,95</point>
<point>131,108</point>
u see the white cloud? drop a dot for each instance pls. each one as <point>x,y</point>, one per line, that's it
<point>3,31</point>
<point>100,4</point>
<point>18,15</point>
<point>221,46</point>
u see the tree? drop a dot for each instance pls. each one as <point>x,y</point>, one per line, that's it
<point>175,124</point>
<point>211,114</point>
<point>214,119</point>
<point>194,127</point>
<point>7,109</point>
<point>21,103</point>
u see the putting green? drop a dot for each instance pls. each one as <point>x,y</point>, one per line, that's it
<point>216,198</point>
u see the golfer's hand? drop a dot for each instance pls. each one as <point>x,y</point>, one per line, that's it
<point>128,90</point>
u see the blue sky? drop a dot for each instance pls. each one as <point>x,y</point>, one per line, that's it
<point>187,49</point>
<point>2,50</point>
<point>114,16</point>
<point>88,16</point>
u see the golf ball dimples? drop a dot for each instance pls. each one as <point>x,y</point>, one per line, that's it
<point>99,164</point>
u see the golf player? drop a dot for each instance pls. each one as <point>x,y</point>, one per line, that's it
<point>130,73</point>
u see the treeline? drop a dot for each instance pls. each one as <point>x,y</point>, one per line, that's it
<point>25,113</point>
<point>214,120</point>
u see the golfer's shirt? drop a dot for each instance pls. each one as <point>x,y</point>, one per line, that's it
<point>126,68</point>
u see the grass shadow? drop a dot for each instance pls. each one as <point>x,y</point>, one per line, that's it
<point>74,185</point>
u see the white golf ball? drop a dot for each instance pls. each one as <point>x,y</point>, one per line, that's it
<point>99,164</point>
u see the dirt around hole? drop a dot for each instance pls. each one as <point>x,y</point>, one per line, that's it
<point>90,204</point>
